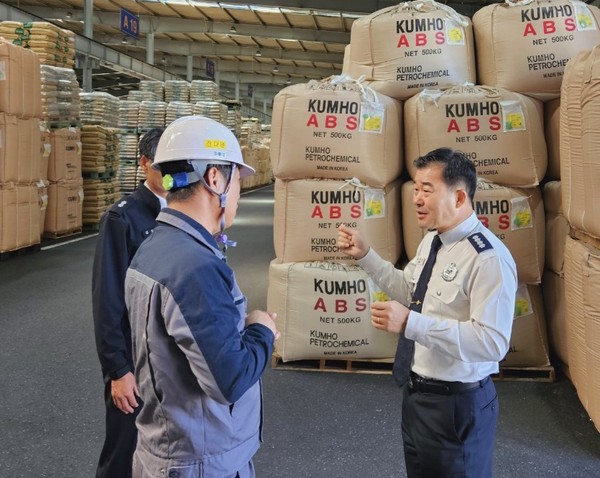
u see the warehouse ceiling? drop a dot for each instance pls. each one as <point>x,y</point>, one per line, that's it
<point>267,44</point>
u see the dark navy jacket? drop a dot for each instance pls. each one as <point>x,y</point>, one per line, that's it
<point>122,229</point>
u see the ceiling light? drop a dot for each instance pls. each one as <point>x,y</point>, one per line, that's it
<point>232,29</point>
<point>124,41</point>
<point>288,81</point>
<point>276,69</point>
<point>69,15</point>
<point>258,53</point>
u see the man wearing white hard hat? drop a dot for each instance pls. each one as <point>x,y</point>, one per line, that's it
<point>198,356</point>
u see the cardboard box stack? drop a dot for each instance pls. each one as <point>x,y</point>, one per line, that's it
<point>21,158</point>
<point>65,191</point>
<point>61,110</point>
<point>336,154</point>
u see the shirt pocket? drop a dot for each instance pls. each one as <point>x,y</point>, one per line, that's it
<point>449,296</point>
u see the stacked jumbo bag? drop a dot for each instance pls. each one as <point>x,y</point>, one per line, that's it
<point>557,230</point>
<point>414,45</point>
<point>524,46</point>
<point>336,155</point>
<point>580,176</point>
<point>502,133</point>
<point>553,280</point>
<point>21,160</point>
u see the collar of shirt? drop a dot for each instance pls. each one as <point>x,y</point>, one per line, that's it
<point>460,231</point>
<point>161,200</point>
<point>193,228</point>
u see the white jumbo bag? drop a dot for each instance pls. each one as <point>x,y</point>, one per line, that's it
<point>414,45</point>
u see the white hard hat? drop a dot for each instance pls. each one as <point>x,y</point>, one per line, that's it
<point>199,139</point>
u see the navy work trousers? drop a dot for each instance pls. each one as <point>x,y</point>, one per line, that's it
<point>450,436</point>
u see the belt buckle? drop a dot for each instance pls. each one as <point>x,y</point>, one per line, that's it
<point>413,382</point>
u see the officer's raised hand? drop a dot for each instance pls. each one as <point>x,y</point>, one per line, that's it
<point>349,242</point>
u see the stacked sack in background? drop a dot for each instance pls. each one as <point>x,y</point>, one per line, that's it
<point>337,158</point>
<point>21,160</point>
<point>54,46</point>
<point>157,104</point>
<point>256,147</point>
<point>129,111</point>
<point>99,154</point>
<point>580,176</point>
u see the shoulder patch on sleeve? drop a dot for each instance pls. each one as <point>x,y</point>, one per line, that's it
<point>479,242</point>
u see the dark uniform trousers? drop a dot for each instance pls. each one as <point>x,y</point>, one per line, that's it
<point>450,435</point>
<point>120,439</point>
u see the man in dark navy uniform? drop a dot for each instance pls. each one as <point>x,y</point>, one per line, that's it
<point>122,229</point>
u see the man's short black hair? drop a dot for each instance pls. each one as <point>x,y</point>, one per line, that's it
<point>149,142</point>
<point>457,168</point>
<point>183,194</point>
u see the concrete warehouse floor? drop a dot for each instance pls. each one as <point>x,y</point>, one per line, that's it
<point>317,425</point>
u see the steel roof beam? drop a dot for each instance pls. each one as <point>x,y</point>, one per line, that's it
<point>185,48</point>
<point>154,24</point>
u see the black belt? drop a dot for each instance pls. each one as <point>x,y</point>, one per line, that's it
<point>416,383</point>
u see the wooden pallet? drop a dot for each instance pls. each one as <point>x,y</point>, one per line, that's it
<point>60,235</point>
<point>91,226</point>
<point>106,174</point>
<point>528,374</point>
<point>562,368</point>
<point>19,252</point>
<point>63,124</point>
<point>377,367</point>
<point>531,374</point>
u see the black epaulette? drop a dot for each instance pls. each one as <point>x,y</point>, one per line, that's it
<point>480,242</point>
